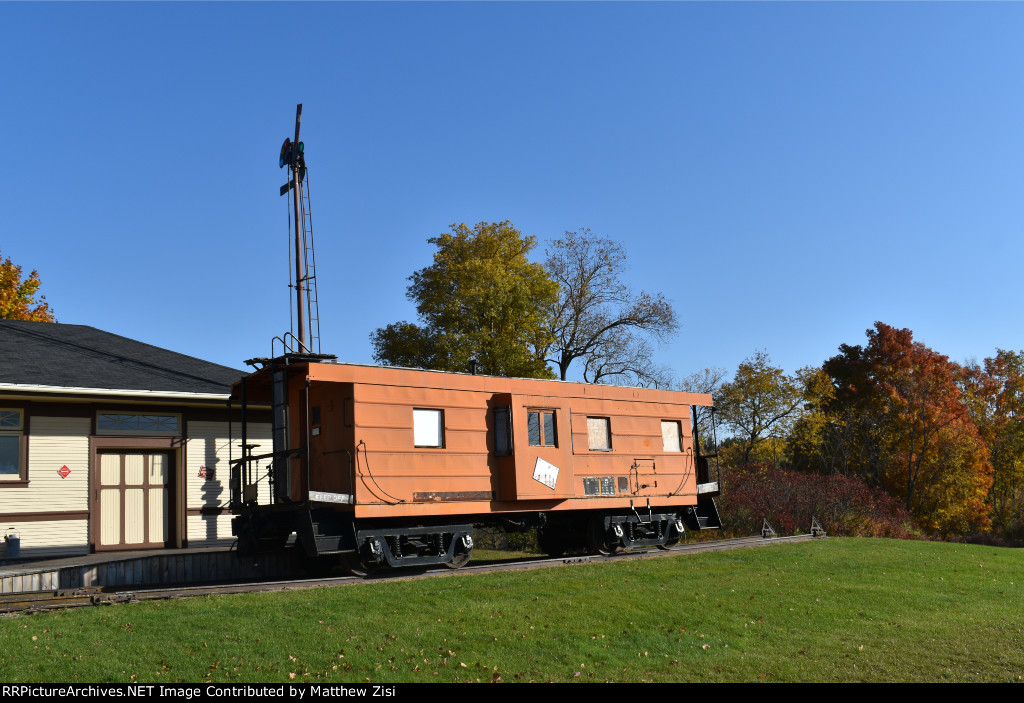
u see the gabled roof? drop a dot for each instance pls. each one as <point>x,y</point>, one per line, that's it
<point>81,357</point>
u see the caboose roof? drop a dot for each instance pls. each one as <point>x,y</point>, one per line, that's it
<point>45,356</point>
<point>259,383</point>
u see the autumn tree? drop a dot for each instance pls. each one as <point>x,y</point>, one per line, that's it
<point>915,434</point>
<point>482,299</point>
<point>597,318</point>
<point>18,297</point>
<point>760,402</point>
<point>994,396</point>
<point>817,441</point>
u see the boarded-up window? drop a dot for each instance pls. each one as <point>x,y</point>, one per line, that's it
<point>670,440</point>
<point>599,434</point>
<point>540,427</point>
<point>428,427</point>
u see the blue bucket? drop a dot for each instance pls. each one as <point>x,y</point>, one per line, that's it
<point>13,544</point>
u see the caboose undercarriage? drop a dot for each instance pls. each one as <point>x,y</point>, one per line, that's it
<point>324,535</point>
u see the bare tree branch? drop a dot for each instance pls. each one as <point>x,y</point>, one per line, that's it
<point>597,318</point>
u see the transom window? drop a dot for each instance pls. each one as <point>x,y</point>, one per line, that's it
<point>540,426</point>
<point>11,419</point>
<point>138,424</point>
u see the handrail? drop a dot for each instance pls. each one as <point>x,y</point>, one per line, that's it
<point>285,347</point>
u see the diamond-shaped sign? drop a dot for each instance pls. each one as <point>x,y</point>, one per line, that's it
<point>64,471</point>
<point>546,473</point>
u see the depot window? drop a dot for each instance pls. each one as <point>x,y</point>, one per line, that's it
<point>540,426</point>
<point>12,445</point>
<point>148,424</point>
<point>428,427</point>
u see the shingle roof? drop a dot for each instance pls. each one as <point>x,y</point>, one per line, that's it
<point>78,356</point>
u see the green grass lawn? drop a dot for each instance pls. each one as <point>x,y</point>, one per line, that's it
<point>829,610</point>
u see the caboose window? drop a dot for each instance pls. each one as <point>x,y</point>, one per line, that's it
<point>670,440</point>
<point>599,434</point>
<point>503,431</point>
<point>540,426</point>
<point>428,427</point>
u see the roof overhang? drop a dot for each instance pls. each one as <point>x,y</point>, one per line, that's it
<point>66,391</point>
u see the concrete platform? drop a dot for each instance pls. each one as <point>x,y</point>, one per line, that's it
<point>158,567</point>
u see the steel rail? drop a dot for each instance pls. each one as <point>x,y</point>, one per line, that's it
<point>71,598</point>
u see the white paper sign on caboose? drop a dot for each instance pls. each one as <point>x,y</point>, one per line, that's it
<point>546,473</point>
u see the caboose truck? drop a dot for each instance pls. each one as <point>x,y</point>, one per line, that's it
<point>392,466</point>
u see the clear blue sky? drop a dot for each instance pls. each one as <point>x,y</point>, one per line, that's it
<point>786,173</point>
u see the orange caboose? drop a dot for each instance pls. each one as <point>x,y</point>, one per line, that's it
<point>385,465</point>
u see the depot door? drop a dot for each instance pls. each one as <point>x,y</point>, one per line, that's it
<point>134,500</point>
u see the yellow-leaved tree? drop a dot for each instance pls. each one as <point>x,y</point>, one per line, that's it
<point>482,300</point>
<point>18,297</point>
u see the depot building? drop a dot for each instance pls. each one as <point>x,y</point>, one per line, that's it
<point>107,443</point>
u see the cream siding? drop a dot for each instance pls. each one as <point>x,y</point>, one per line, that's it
<point>209,530</point>
<point>56,538</point>
<point>53,442</point>
<point>210,446</point>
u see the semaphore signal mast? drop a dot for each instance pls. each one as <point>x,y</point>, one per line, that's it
<point>307,331</point>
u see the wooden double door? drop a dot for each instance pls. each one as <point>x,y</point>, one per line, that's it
<point>135,499</point>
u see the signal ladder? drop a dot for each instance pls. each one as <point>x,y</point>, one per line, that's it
<point>309,260</point>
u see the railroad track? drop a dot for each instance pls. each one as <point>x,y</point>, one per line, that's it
<point>72,598</point>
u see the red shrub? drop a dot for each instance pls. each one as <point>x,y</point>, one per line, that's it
<point>844,505</point>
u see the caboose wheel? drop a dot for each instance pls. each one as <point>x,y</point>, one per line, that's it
<point>680,533</point>
<point>597,536</point>
<point>463,552</point>
<point>460,559</point>
<point>354,564</point>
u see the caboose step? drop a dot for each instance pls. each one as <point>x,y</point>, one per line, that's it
<point>704,515</point>
<point>325,531</point>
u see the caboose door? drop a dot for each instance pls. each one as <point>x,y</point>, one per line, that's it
<point>331,444</point>
<point>543,447</point>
